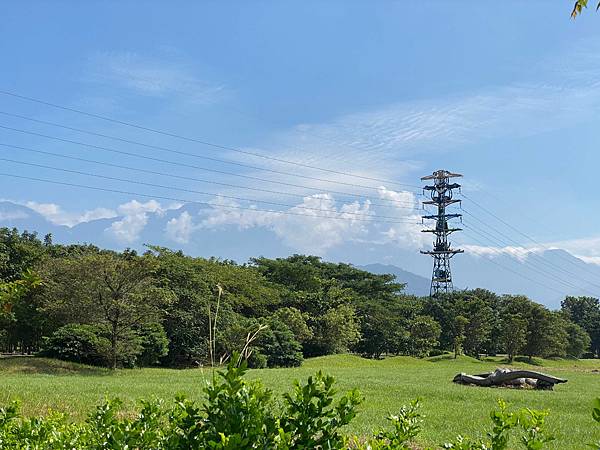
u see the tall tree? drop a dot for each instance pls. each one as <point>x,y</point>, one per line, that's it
<point>585,312</point>
<point>116,292</point>
<point>458,332</point>
<point>514,334</point>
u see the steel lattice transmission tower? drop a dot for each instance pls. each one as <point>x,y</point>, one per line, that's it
<point>441,198</point>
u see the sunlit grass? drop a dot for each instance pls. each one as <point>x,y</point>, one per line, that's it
<point>450,409</point>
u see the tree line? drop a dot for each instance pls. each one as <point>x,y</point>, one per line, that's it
<point>164,308</point>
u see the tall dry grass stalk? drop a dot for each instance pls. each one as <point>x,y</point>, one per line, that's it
<point>212,327</point>
<point>246,350</point>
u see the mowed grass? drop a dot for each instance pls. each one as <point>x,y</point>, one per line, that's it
<point>450,409</point>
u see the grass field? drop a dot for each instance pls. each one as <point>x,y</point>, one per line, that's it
<point>450,409</point>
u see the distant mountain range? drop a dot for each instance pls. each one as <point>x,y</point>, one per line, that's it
<point>415,284</point>
<point>534,276</point>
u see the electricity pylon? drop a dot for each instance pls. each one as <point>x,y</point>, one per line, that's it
<point>441,197</point>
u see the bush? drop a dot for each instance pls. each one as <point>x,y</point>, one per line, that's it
<point>88,344</point>
<point>78,343</point>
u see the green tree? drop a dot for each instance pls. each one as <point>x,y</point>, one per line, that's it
<point>513,335</point>
<point>477,306</point>
<point>546,335</point>
<point>116,292</point>
<point>424,335</point>
<point>154,343</point>
<point>458,332</point>
<point>578,341</point>
<point>19,315</point>
<point>296,322</point>
<point>585,312</point>
<point>278,344</point>
<point>78,343</point>
<point>336,331</point>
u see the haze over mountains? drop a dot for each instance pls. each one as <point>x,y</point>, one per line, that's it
<point>544,276</point>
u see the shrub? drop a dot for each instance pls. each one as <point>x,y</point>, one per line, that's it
<point>78,343</point>
<point>505,422</point>
<point>311,420</point>
<point>257,360</point>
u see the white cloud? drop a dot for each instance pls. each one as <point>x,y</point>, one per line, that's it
<point>58,216</point>
<point>134,207</point>
<point>406,235</point>
<point>317,231</point>
<point>314,225</point>
<point>520,253</point>
<point>152,77</point>
<point>403,199</point>
<point>226,212</point>
<point>590,259</point>
<point>390,141</point>
<point>135,218</point>
<point>586,249</point>
<point>180,229</point>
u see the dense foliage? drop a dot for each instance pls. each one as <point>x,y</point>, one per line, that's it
<point>237,413</point>
<point>85,304</point>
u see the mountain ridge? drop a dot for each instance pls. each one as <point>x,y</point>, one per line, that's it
<point>504,273</point>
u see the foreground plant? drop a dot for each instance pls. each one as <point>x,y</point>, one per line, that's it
<point>505,422</point>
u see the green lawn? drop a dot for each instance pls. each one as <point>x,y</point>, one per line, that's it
<point>450,409</point>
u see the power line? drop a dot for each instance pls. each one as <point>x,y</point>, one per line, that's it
<point>180,164</point>
<point>341,215</point>
<point>541,259</point>
<point>540,271</point>
<point>564,258</point>
<point>496,263</point>
<point>180,152</point>
<point>198,141</point>
<point>106,177</point>
<point>182,177</point>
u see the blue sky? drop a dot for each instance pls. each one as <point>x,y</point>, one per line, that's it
<point>505,93</point>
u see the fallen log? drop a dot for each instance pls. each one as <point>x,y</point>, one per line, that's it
<point>510,378</point>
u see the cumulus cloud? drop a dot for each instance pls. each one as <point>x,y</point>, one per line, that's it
<point>315,225</point>
<point>180,229</point>
<point>227,212</point>
<point>317,231</point>
<point>134,219</point>
<point>408,234</point>
<point>318,223</point>
<point>58,216</point>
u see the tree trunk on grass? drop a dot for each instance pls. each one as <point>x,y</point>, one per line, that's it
<point>510,378</point>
